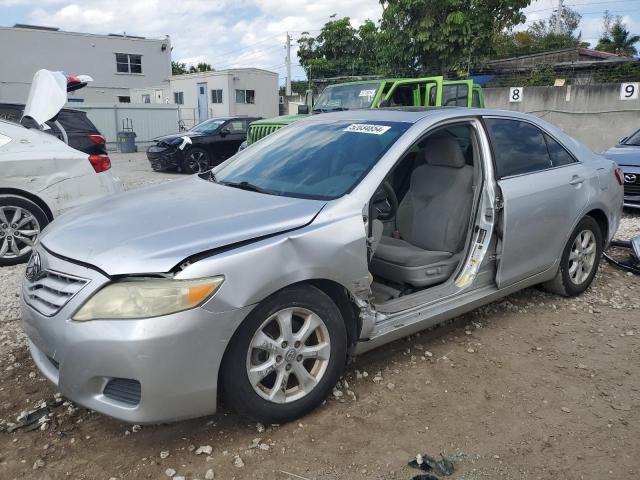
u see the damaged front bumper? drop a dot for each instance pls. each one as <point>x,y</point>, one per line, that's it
<point>140,371</point>
<point>164,157</point>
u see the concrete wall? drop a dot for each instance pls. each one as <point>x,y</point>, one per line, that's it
<point>593,114</point>
<point>24,51</point>
<point>149,120</point>
<point>263,82</point>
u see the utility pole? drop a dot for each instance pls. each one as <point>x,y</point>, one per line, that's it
<point>287,89</point>
<point>559,18</point>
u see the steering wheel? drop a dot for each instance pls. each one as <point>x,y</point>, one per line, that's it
<point>384,202</point>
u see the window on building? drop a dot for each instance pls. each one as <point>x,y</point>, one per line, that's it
<point>128,63</point>
<point>245,96</point>
<point>124,99</point>
<point>216,96</point>
<point>146,98</point>
<point>518,147</point>
<point>178,98</point>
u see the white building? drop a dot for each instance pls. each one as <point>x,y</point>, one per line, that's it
<point>237,91</point>
<point>117,63</point>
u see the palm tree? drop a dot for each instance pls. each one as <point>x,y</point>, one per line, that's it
<point>617,39</point>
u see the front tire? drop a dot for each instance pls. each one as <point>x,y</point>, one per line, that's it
<point>196,160</point>
<point>580,260</point>
<point>21,222</point>
<point>286,356</point>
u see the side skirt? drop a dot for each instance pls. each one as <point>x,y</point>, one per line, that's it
<point>412,321</point>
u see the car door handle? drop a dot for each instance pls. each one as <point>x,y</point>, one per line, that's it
<point>576,180</point>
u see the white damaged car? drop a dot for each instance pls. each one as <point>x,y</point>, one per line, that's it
<point>41,176</point>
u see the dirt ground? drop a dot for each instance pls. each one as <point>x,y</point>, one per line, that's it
<point>531,387</point>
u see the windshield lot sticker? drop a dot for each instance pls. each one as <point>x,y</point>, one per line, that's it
<point>367,128</point>
<point>367,93</point>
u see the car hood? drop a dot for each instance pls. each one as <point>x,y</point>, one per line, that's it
<point>627,155</point>
<point>177,137</point>
<point>153,229</point>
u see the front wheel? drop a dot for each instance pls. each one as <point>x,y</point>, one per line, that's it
<point>21,221</point>
<point>579,261</point>
<point>196,160</point>
<point>286,356</point>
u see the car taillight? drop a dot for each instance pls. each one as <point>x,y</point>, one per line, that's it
<point>619,176</point>
<point>99,139</point>
<point>100,163</point>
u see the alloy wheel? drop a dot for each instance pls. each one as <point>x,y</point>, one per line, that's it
<point>197,161</point>
<point>18,231</point>
<point>288,355</point>
<point>582,257</point>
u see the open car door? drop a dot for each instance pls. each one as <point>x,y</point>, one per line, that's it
<point>457,93</point>
<point>416,92</point>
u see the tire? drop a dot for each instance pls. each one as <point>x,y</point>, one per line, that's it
<point>195,160</point>
<point>265,402</point>
<point>578,264</point>
<point>16,239</point>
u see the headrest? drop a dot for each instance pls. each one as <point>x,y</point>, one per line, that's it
<point>443,152</point>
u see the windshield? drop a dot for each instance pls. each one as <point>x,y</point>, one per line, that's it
<point>346,97</point>
<point>633,139</point>
<point>208,126</point>
<point>320,160</point>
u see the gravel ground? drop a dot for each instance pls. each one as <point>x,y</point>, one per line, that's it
<point>531,387</point>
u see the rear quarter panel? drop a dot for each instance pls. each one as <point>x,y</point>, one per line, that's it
<point>42,165</point>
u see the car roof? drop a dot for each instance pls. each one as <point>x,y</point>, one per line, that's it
<point>415,114</point>
<point>240,117</point>
<point>21,105</point>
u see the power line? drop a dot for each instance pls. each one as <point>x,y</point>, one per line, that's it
<point>576,5</point>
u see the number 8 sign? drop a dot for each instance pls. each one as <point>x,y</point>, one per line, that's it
<point>516,94</point>
<point>629,91</point>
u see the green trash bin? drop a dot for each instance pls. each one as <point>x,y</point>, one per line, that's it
<point>127,141</point>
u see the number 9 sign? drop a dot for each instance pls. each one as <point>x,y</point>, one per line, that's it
<point>516,94</point>
<point>629,91</point>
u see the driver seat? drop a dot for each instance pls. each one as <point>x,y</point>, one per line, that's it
<point>432,219</point>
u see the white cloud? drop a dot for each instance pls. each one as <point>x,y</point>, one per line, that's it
<point>230,33</point>
<point>225,33</point>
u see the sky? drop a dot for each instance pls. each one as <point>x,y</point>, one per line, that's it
<point>249,33</point>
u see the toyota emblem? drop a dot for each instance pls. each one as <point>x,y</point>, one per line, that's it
<point>630,178</point>
<point>34,267</point>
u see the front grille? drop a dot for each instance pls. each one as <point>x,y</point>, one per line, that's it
<point>632,189</point>
<point>123,390</point>
<point>51,291</point>
<point>257,132</point>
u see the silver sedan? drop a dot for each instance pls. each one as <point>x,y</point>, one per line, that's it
<point>335,235</point>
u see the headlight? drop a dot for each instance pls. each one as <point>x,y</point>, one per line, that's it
<point>151,297</point>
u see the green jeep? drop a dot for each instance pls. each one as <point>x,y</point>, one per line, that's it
<point>416,92</point>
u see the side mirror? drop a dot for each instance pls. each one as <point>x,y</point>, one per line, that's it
<point>224,132</point>
<point>303,109</point>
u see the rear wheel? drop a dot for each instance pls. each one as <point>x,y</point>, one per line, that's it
<point>21,222</point>
<point>580,260</point>
<point>195,160</point>
<point>286,357</point>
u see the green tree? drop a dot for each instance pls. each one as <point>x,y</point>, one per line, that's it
<point>541,36</point>
<point>201,67</point>
<point>436,36</point>
<point>616,38</point>
<point>339,49</point>
<point>178,68</point>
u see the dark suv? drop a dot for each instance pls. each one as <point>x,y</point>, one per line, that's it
<point>71,126</point>
<point>204,146</point>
